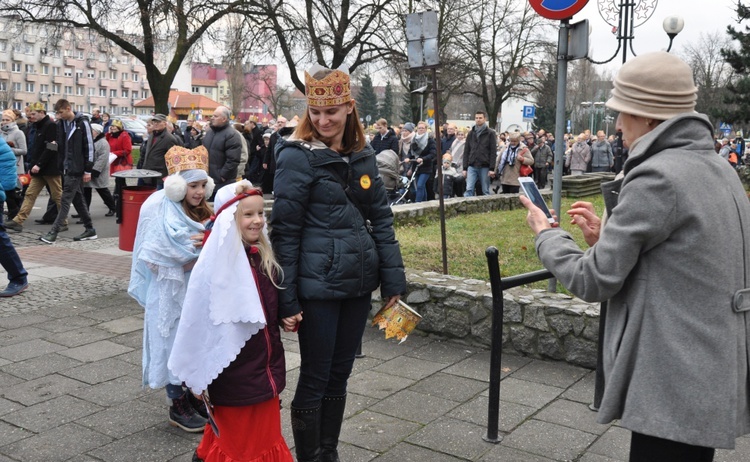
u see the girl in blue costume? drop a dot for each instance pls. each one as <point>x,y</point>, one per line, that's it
<point>168,240</point>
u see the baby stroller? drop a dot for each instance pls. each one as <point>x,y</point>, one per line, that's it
<point>404,193</point>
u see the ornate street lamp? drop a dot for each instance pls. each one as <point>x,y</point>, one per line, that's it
<point>624,16</point>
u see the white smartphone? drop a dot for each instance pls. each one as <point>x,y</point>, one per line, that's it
<point>532,192</point>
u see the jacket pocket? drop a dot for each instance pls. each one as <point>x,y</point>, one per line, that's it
<point>617,321</point>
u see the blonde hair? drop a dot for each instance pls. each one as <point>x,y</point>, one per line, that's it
<point>268,262</point>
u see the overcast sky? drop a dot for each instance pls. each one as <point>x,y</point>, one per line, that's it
<point>705,16</point>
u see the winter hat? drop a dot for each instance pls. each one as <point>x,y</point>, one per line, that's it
<point>656,85</point>
<point>97,127</point>
<point>408,126</point>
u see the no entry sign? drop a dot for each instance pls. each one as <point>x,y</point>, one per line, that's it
<point>557,9</point>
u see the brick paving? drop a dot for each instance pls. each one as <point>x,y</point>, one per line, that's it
<point>70,384</point>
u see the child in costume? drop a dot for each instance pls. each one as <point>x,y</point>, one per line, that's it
<point>167,244</point>
<point>228,346</point>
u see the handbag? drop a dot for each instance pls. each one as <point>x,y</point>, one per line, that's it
<point>526,170</point>
<point>121,164</point>
<point>24,179</point>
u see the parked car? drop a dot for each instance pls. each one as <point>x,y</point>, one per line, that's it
<point>135,127</point>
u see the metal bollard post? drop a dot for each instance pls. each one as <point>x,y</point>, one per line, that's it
<point>496,350</point>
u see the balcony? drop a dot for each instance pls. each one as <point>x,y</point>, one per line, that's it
<point>32,77</point>
<point>45,59</point>
<point>71,61</point>
<point>29,38</point>
<point>103,46</point>
<point>91,63</point>
<point>113,65</point>
<point>16,55</point>
<point>4,75</point>
<point>104,82</point>
<point>58,79</point>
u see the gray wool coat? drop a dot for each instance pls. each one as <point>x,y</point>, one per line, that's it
<point>673,254</point>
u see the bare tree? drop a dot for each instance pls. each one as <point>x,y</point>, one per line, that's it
<point>146,25</point>
<point>711,71</point>
<point>500,42</point>
<point>345,32</point>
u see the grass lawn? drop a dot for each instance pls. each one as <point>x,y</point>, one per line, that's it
<point>468,237</point>
<point>136,153</point>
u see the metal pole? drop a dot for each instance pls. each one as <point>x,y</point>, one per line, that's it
<point>436,103</point>
<point>562,83</point>
<point>496,350</point>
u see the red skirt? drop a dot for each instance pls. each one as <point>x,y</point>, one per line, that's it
<point>247,434</point>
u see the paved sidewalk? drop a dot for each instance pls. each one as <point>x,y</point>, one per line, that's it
<point>70,374</point>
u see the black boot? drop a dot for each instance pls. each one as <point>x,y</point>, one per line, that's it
<point>331,417</point>
<point>182,415</point>
<point>198,405</point>
<point>306,432</point>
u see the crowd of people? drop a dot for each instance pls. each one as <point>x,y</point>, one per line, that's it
<point>217,288</point>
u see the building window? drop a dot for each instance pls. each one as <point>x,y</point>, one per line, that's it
<point>44,88</point>
<point>113,93</point>
<point>45,69</point>
<point>55,89</point>
<point>134,95</point>
<point>17,105</point>
<point>135,77</point>
<point>68,90</point>
<point>68,72</point>
<point>92,91</point>
<point>125,76</point>
<point>145,94</point>
<point>91,74</point>
<point>103,92</point>
<point>55,71</point>
<point>125,93</point>
<point>28,49</point>
<point>196,90</point>
<point>3,85</point>
<point>15,67</point>
<point>79,91</point>
<point>2,65</point>
<point>3,45</point>
<point>79,55</point>
<point>30,87</point>
<point>30,69</point>
<point>102,74</point>
<point>56,53</point>
<point>16,86</point>
<point>112,75</point>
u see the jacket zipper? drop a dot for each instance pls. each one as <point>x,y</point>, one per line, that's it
<point>267,335</point>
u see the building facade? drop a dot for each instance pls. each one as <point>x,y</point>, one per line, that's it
<point>37,63</point>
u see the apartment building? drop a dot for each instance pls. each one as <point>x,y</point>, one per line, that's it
<point>38,63</point>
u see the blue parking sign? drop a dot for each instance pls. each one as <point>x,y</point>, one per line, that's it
<point>528,112</point>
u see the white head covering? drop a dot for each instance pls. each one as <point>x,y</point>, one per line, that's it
<point>222,307</point>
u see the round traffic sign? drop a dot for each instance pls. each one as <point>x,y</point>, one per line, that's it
<point>557,9</point>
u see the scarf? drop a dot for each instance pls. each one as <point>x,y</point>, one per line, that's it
<point>479,129</point>
<point>9,127</point>
<point>421,141</point>
<point>509,156</point>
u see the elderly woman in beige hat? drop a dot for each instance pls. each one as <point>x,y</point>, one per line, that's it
<point>674,262</point>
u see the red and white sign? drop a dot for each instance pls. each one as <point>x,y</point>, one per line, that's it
<point>557,9</point>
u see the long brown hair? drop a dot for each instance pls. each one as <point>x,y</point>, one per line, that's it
<point>354,136</point>
<point>200,212</point>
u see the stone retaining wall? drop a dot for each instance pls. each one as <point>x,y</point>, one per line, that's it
<point>536,323</point>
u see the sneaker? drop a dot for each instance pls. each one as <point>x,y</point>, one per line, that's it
<point>88,235</point>
<point>75,215</point>
<point>14,288</point>
<point>13,226</point>
<point>49,238</point>
<point>183,416</point>
<point>43,222</point>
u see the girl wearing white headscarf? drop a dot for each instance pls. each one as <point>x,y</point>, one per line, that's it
<point>228,345</point>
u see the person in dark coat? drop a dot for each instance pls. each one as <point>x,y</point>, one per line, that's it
<point>332,231</point>
<point>422,154</point>
<point>153,151</point>
<point>224,145</point>
<point>480,155</point>
<point>384,139</point>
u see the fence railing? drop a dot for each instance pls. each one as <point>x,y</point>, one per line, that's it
<point>498,284</point>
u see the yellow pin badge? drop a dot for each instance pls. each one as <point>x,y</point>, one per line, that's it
<point>365,181</point>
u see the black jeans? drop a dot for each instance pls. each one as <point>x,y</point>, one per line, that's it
<point>645,448</point>
<point>329,335</point>
<point>104,193</point>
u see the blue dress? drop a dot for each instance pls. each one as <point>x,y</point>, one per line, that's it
<point>158,280</point>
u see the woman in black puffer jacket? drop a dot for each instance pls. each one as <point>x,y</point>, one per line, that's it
<point>332,232</point>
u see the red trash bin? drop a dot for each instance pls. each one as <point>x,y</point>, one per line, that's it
<point>132,199</point>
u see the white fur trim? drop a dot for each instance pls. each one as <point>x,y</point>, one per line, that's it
<point>175,187</point>
<point>210,186</point>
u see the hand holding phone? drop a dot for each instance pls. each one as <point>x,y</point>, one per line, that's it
<point>532,192</point>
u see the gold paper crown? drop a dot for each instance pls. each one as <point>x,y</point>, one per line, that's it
<point>180,158</point>
<point>331,90</point>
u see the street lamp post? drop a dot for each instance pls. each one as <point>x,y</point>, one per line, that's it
<point>628,15</point>
<point>420,91</point>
